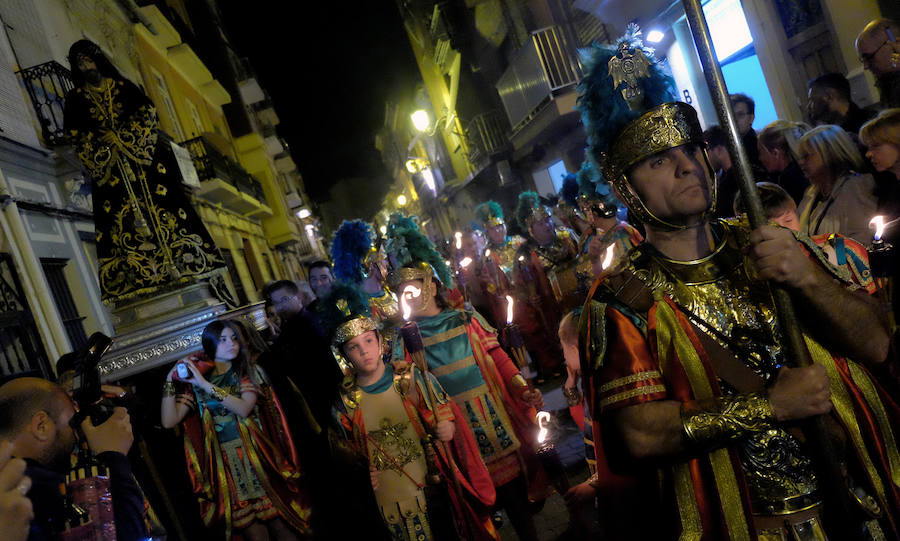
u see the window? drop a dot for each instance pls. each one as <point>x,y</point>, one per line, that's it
<point>162,91</point>
<point>740,65</point>
<point>54,271</point>
<point>195,117</point>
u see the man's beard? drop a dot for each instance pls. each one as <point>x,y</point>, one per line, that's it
<point>58,458</point>
<point>93,77</point>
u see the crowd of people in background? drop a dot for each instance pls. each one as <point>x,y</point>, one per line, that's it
<point>342,420</point>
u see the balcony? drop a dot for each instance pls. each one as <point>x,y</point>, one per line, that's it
<point>486,136</point>
<point>543,72</point>
<point>224,181</point>
<point>47,85</point>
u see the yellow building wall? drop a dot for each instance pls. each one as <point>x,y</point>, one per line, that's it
<point>443,101</point>
<point>180,89</point>
<point>253,157</point>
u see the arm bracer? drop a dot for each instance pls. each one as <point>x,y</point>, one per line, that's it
<point>713,422</point>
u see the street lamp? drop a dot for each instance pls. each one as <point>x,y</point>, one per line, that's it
<point>401,200</point>
<point>420,120</point>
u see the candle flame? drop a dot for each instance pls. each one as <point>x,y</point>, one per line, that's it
<point>458,236</point>
<point>878,223</point>
<point>543,419</point>
<point>607,259</point>
<point>487,253</point>
<point>409,292</point>
<point>509,310</point>
<point>465,262</point>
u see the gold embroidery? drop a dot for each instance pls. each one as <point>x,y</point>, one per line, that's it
<point>391,438</point>
<point>640,391</point>
<point>621,382</point>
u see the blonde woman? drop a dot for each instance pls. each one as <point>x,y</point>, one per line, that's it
<point>882,137</point>
<point>777,145</point>
<point>839,199</point>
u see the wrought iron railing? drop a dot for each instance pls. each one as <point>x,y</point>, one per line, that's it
<point>545,65</point>
<point>210,163</point>
<point>486,136</point>
<point>47,85</point>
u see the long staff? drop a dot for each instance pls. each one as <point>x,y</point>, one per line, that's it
<point>796,353</point>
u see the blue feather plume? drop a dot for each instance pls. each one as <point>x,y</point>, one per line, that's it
<point>351,242</point>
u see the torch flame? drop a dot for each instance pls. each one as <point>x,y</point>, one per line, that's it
<point>543,419</point>
<point>465,262</point>
<point>409,292</point>
<point>878,223</point>
<point>607,259</point>
<point>509,309</point>
<point>458,236</point>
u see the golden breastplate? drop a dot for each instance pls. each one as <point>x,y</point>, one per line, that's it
<point>722,299</point>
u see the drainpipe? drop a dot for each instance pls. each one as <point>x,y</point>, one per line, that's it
<point>37,292</point>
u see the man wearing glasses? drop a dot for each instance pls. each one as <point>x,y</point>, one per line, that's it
<point>879,51</point>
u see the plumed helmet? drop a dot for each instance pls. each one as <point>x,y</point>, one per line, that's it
<point>629,110</point>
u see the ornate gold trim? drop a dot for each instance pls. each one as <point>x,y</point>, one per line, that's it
<point>351,329</point>
<point>633,378</point>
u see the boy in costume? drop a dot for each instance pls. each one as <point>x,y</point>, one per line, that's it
<point>463,353</point>
<point>392,417</point>
<point>681,354</point>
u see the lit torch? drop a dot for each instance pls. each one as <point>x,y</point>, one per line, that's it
<point>515,342</point>
<point>881,263</point>
<point>546,451</point>
<point>608,258</point>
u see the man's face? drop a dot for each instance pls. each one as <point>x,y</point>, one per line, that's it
<point>57,455</point>
<point>719,158</point>
<point>743,117</point>
<point>875,53</point>
<point>320,280</point>
<point>543,231</point>
<point>286,304</point>
<point>673,184</point>
<point>497,234</point>
<point>364,351</point>
<point>819,106</point>
<point>473,245</point>
<point>88,67</point>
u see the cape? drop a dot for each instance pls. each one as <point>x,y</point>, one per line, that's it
<point>271,451</point>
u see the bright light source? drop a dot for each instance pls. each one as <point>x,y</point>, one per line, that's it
<point>655,36</point>
<point>383,229</point>
<point>428,179</point>
<point>304,213</point>
<point>401,200</point>
<point>420,120</point>
<point>411,166</point>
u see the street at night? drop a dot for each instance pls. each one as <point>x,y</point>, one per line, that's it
<point>420,270</point>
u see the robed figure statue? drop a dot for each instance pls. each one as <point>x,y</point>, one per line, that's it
<point>149,238</point>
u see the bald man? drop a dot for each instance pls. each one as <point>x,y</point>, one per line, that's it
<point>878,47</point>
<point>35,417</point>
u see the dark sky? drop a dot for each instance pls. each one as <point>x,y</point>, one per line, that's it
<point>329,67</point>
